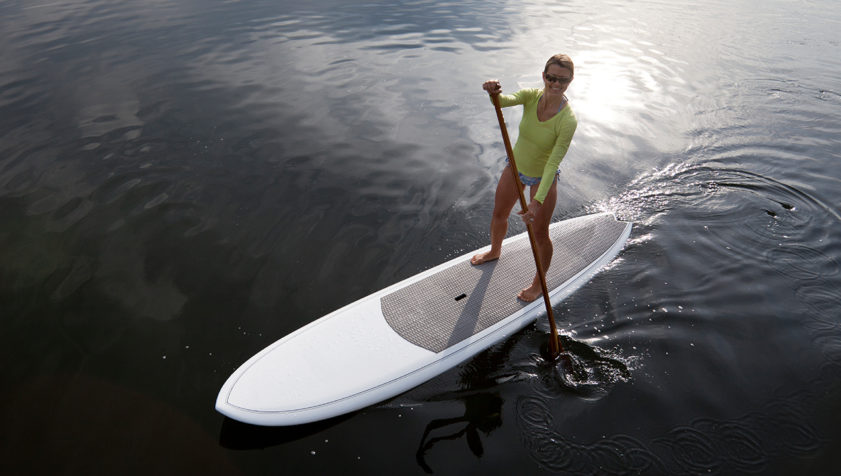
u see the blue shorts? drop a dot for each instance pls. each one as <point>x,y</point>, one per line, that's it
<point>531,181</point>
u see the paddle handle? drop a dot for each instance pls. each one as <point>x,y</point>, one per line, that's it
<point>554,342</point>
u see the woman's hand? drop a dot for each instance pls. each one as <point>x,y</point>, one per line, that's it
<point>529,216</point>
<point>492,86</point>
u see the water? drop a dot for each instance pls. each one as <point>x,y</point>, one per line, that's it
<point>183,183</point>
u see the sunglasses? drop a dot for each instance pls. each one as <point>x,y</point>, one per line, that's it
<point>556,79</point>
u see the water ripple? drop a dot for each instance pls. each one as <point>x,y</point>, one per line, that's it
<point>554,452</point>
<point>691,450</point>
<point>756,218</point>
<point>744,444</point>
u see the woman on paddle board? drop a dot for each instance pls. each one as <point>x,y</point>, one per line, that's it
<point>546,131</point>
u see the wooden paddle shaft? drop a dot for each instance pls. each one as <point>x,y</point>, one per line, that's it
<point>554,343</point>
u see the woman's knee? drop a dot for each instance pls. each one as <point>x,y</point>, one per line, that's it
<point>500,215</point>
<point>543,239</point>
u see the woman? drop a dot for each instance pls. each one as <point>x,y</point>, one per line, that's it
<point>546,131</point>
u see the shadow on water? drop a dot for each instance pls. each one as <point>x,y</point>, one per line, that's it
<point>582,370</point>
<point>482,412</point>
<point>478,385</point>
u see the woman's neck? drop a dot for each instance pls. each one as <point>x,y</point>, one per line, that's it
<point>552,102</point>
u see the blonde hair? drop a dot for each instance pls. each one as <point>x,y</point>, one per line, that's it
<point>561,60</point>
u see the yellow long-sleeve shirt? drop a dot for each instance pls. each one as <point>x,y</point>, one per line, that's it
<point>541,146</point>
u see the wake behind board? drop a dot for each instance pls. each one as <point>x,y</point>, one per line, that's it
<point>397,338</point>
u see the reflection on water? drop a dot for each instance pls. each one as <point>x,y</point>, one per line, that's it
<point>482,412</point>
<point>182,184</point>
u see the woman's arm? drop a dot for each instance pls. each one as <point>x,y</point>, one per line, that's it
<point>562,142</point>
<point>493,86</point>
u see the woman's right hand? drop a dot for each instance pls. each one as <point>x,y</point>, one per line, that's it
<point>492,86</point>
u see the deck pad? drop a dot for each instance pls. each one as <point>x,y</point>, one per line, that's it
<point>460,301</point>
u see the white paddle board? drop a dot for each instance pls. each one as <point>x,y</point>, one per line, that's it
<point>397,338</point>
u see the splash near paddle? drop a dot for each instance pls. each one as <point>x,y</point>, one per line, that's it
<point>399,337</point>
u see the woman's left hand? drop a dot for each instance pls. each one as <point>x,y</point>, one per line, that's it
<point>529,216</point>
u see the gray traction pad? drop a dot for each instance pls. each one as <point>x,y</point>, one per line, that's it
<point>427,314</point>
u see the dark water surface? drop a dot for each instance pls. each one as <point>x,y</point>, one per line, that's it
<point>183,183</point>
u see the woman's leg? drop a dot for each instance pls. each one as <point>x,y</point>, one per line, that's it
<point>504,200</point>
<point>540,227</point>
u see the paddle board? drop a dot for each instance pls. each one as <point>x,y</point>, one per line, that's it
<point>397,338</point>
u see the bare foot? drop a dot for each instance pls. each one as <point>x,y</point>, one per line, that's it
<point>530,293</point>
<point>483,258</point>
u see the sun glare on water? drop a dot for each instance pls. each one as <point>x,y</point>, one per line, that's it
<point>603,89</point>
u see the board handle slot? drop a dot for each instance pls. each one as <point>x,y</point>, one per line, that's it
<point>461,296</point>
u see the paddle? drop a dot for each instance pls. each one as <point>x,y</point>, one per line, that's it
<point>554,342</point>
